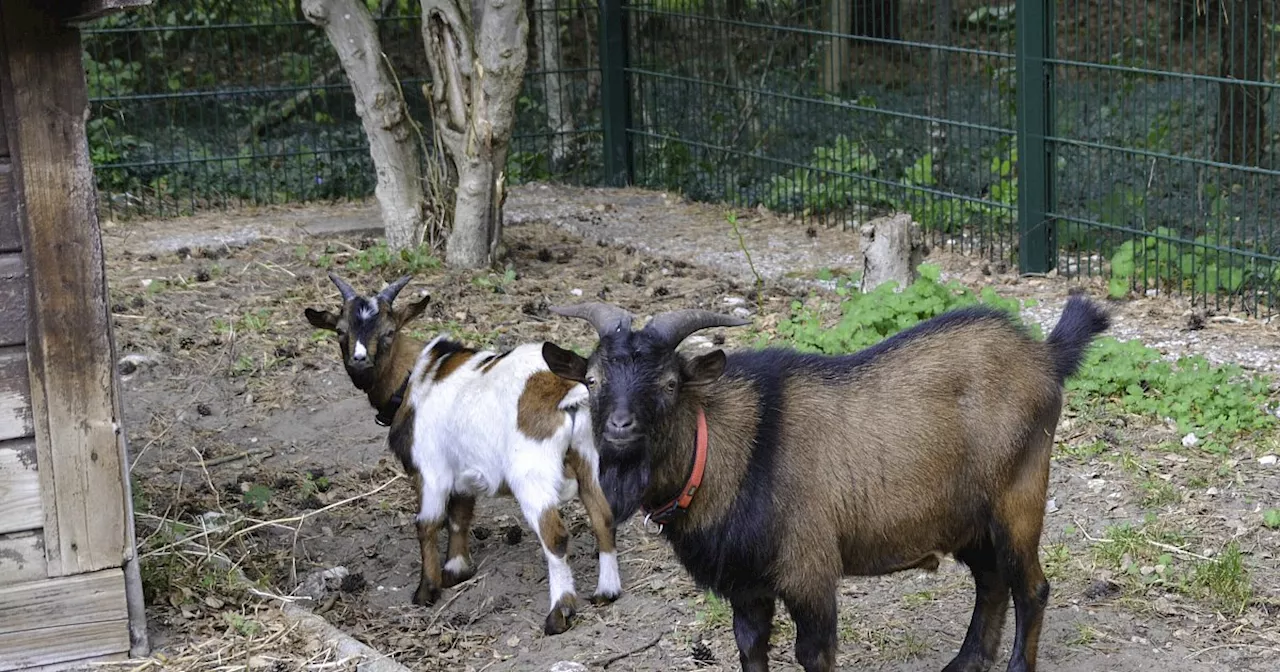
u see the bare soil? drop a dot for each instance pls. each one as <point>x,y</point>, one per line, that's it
<point>235,406</point>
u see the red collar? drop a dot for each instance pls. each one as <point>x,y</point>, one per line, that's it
<point>668,512</point>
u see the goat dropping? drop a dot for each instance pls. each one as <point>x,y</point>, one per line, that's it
<point>774,472</point>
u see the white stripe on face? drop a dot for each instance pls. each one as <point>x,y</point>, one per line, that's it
<point>360,352</point>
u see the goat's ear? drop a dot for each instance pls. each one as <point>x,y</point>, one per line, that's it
<point>705,368</point>
<point>565,363</point>
<point>406,315</point>
<point>322,319</point>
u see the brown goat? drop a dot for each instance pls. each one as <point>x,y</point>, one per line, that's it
<point>935,441</point>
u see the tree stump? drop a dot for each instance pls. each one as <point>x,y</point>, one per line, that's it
<point>892,248</point>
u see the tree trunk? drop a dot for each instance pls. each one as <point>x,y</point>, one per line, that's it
<point>892,249</point>
<point>837,19</point>
<point>939,89</point>
<point>476,55</point>
<point>1242,123</point>
<point>393,142</point>
<point>559,119</point>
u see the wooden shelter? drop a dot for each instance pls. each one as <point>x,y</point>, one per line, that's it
<point>69,585</point>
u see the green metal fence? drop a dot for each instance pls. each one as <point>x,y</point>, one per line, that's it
<point>1135,141</point>
<point>201,104</point>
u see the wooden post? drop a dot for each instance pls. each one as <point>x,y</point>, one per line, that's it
<point>68,341</point>
<point>891,250</point>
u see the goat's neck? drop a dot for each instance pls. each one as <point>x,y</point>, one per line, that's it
<point>392,370</point>
<point>731,408</point>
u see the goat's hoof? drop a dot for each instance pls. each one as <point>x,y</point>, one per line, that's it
<point>452,579</point>
<point>600,599</point>
<point>561,615</point>
<point>968,664</point>
<point>426,596</point>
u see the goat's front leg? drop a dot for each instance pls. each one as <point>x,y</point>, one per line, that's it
<point>609,585</point>
<point>432,497</point>
<point>458,567</point>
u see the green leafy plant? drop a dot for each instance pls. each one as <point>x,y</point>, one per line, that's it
<point>1271,519</point>
<point>494,282</point>
<point>379,256</point>
<point>1217,402</point>
<point>869,318</point>
<point>833,179</point>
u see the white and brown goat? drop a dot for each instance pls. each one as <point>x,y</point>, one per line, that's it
<point>468,423</point>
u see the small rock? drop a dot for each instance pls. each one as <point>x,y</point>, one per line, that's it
<point>1190,440</point>
<point>1051,506</point>
<point>568,666</point>
<point>575,291</point>
<point>1267,460</point>
<point>734,301</point>
<point>741,312</point>
<point>1212,492</point>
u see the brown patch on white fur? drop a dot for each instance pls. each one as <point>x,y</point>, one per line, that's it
<point>451,363</point>
<point>538,414</point>
<point>552,532</point>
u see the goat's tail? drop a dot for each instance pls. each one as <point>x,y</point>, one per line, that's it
<point>1081,320</point>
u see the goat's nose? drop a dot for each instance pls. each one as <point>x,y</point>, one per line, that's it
<point>621,421</point>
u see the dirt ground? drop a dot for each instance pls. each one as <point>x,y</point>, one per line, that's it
<point>249,440</point>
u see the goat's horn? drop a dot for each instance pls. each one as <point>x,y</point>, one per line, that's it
<point>604,317</point>
<point>347,292</point>
<point>389,293</point>
<point>675,326</point>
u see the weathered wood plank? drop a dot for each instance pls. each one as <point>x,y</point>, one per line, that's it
<point>20,507</point>
<point>68,600</point>
<point>80,664</point>
<point>31,648</point>
<point>71,360</point>
<point>22,558</point>
<point>15,395</point>
<point>10,238</point>
<point>13,299</point>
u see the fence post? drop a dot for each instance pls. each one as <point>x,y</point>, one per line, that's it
<point>1037,247</point>
<point>615,94</point>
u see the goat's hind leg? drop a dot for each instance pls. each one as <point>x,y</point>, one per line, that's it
<point>609,585</point>
<point>991,603</point>
<point>431,504</point>
<point>459,567</point>
<point>540,505</point>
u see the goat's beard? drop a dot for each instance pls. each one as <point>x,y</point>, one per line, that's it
<point>624,477</point>
<point>362,378</point>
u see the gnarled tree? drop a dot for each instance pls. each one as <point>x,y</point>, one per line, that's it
<point>393,143</point>
<point>476,53</point>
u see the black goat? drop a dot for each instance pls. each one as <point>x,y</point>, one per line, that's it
<point>807,467</point>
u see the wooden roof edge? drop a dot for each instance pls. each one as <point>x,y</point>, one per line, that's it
<point>79,11</point>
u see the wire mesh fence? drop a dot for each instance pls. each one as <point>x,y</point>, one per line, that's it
<point>201,104</point>
<point>1134,141</point>
<point>1143,127</point>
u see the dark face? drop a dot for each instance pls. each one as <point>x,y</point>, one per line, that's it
<point>366,327</point>
<point>635,381</point>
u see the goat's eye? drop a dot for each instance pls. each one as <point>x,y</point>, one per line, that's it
<point>671,387</point>
<point>591,381</point>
